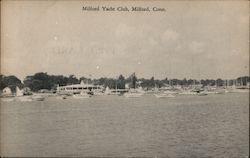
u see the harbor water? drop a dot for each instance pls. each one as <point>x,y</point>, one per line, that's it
<point>114,126</point>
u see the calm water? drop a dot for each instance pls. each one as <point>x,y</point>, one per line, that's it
<point>185,126</point>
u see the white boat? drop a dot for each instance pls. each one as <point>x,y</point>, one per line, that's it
<point>8,99</point>
<point>21,97</point>
<point>99,93</point>
<point>38,98</point>
<point>170,92</point>
<point>239,90</point>
<point>24,98</point>
<point>133,95</point>
<point>202,94</point>
<point>211,92</point>
<point>221,91</point>
<point>109,91</point>
<point>19,92</point>
<point>187,92</point>
<point>82,95</point>
<point>164,95</point>
<point>62,97</point>
<point>77,88</point>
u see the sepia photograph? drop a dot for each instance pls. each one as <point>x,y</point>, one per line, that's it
<point>112,78</point>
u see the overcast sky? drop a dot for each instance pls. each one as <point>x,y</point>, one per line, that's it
<point>190,39</point>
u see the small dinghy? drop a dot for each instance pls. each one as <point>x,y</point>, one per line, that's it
<point>202,94</point>
<point>24,98</point>
<point>38,98</point>
<point>62,97</point>
<point>164,95</point>
<point>133,95</point>
<point>82,95</point>
<point>8,99</point>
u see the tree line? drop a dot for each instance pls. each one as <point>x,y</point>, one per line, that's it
<point>43,80</point>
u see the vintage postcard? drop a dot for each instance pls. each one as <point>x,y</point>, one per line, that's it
<point>124,78</point>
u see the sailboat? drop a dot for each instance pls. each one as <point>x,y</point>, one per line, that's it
<point>7,95</point>
<point>167,93</point>
<point>21,97</point>
<point>239,88</point>
<point>133,92</point>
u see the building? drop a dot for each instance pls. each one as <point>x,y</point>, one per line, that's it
<point>78,88</point>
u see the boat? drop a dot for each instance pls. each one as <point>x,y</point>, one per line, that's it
<point>38,98</point>
<point>221,91</point>
<point>82,95</point>
<point>170,92</point>
<point>21,97</point>
<point>202,94</point>
<point>118,92</point>
<point>24,98</point>
<point>164,95</point>
<point>187,92</point>
<point>62,97</point>
<point>99,93</point>
<point>77,88</point>
<point>7,95</point>
<point>133,94</point>
<point>8,99</point>
<point>239,90</point>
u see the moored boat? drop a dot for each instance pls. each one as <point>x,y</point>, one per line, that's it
<point>62,97</point>
<point>38,98</point>
<point>202,94</point>
<point>164,95</point>
<point>133,95</point>
<point>24,98</point>
<point>21,97</point>
<point>82,95</point>
<point>7,99</point>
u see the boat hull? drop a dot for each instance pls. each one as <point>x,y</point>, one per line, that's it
<point>24,98</point>
<point>133,95</point>
<point>79,96</point>
<point>164,95</point>
<point>38,98</point>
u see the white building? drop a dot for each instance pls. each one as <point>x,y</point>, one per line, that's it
<point>78,88</point>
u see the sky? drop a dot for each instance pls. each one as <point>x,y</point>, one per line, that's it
<point>195,39</point>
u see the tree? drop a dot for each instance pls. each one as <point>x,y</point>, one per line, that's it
<point>39,81</point>
<point>219,82</point>
<point>184,81</point>
<point>2,84</point>
<point>134,79</point>
<point>72,80</point>
<point>121,82</point>
<point>10,81</point>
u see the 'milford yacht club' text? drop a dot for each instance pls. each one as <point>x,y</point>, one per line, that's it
<point>123,8</point>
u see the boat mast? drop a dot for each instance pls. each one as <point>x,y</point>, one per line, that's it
<point>116,84</point>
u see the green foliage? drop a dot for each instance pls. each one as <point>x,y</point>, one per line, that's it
<point>42,80</point>
<point>121,82</point>
<point>10,81</point>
